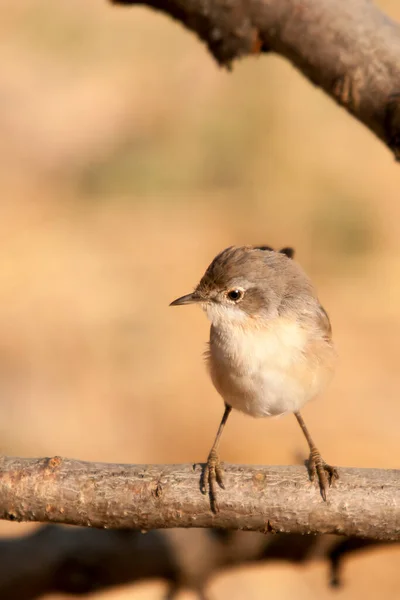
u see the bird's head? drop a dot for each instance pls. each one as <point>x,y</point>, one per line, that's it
<point>246,284</point>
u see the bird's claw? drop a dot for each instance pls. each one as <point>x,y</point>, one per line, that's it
<point>326,473</point>
<point>212,475</point>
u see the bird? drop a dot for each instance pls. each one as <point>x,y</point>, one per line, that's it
<point>270,349</point>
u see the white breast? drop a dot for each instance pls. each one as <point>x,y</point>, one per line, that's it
<point>265,372</point>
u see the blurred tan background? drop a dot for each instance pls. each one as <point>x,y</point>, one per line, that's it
<point>128,160</point>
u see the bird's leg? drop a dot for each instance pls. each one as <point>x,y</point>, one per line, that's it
<point>316,465</point>
<point>212,472</point>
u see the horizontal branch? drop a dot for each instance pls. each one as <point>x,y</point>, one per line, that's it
<point>76,560</point>
<point>349,48</point>
<point>363,503</point>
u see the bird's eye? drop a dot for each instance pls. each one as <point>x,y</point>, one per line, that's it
<point>235,295</point>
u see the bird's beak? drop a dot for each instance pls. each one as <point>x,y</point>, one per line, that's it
<point>192,298</point>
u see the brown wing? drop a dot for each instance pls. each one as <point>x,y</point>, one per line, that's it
<point>324,322</point>
<point>288,251</point>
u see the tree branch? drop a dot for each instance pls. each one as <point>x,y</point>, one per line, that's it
<point>364,502</point>
<point>349,48</point>
<point>79,561</point>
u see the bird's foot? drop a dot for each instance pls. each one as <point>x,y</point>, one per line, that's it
<point>325,473</point>
<point>212,475</point>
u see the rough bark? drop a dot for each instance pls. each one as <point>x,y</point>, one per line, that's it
<point>363,503</point>
<point>347,47</point>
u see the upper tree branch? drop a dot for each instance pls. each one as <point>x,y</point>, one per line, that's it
<point>347,47</point>
<point>365,502</point>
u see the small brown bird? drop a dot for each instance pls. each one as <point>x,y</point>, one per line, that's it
<point>270,348</point>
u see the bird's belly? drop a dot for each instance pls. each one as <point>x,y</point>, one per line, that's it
<point>268,393</point>
<point>270,376</point>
